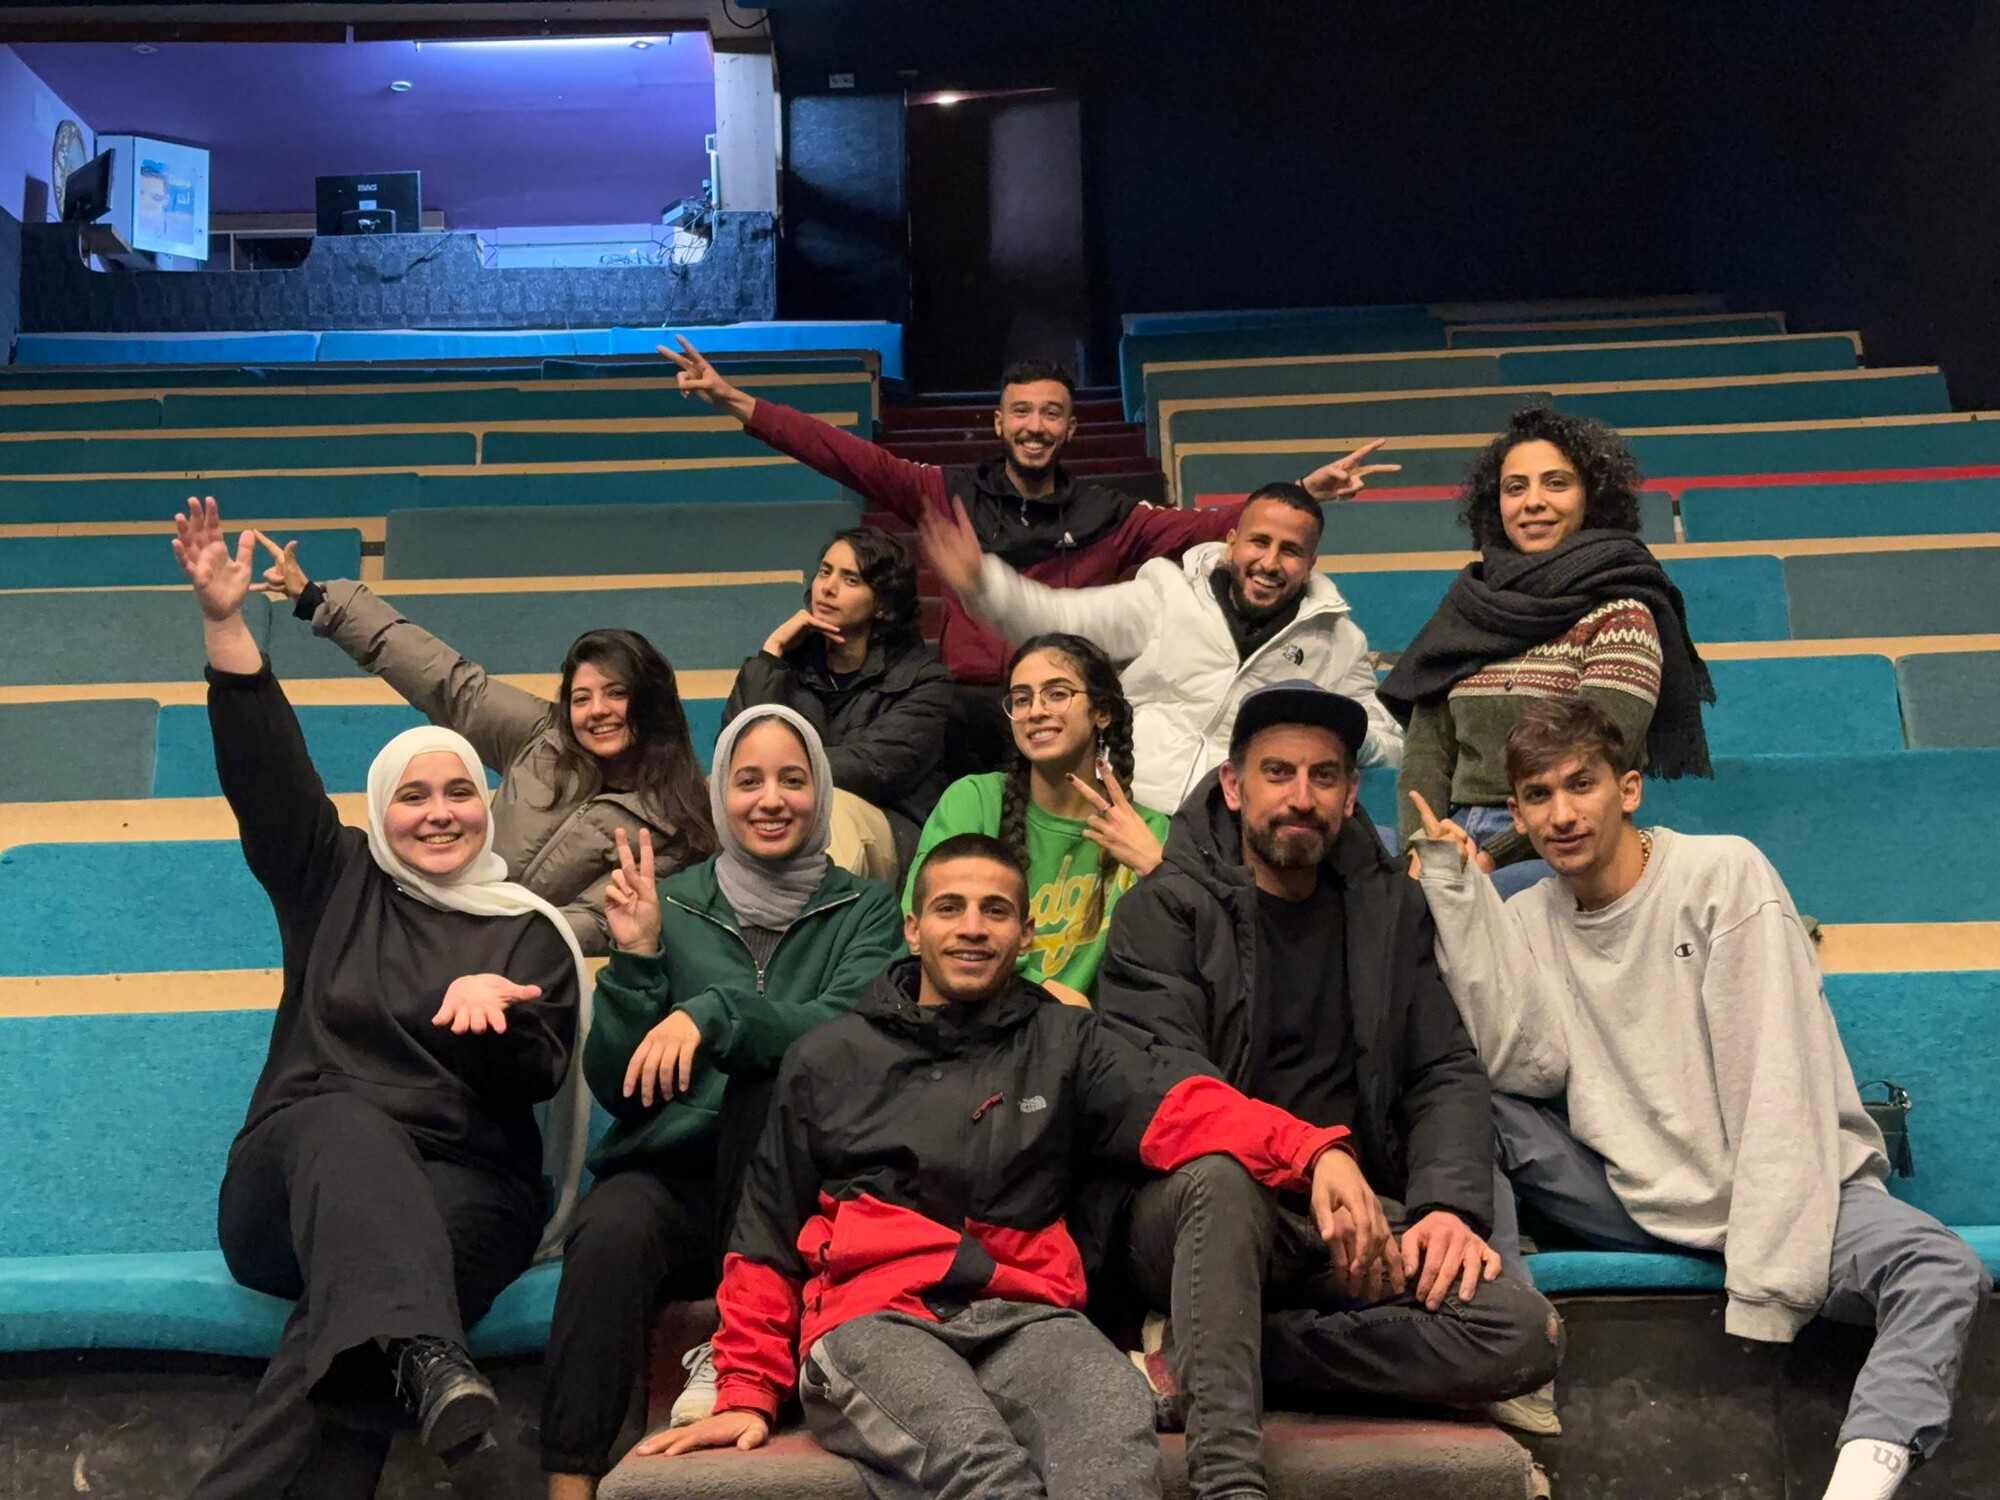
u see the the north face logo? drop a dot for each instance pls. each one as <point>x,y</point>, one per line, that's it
<point>1296,655</point>
<point>1032,1103</point>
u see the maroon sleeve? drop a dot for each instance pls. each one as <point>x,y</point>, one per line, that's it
<point>1152,531</point>
<point>878,476</point>
<point>1203,1116</point>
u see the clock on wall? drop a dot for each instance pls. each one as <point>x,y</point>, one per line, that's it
<point>71,152</point>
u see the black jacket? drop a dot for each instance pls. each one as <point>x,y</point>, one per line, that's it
<point>367,966</point>
<point>1181,970</point>
<point>883,730</point>
<point>918,1160</point>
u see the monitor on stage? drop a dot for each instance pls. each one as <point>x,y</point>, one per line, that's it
<point>370,203</point>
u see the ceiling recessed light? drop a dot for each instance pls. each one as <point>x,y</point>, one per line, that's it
<point>401,86</point>
<point>641,45</point>
<point>145,49</point>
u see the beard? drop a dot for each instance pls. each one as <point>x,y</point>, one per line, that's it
<point>1299,850</point>
<point>1253,614</point>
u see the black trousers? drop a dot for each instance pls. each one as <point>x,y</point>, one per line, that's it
<point>1206,1240</point>
<point>639,1238</point>
<point>329,1202</point>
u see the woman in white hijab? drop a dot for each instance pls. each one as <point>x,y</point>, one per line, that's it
<point>390,1175</point>
<point>715,971</point>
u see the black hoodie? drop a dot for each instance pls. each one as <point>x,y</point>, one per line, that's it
<point>1181,972</point>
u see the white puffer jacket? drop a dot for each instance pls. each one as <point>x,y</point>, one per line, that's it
<point>1178,660</point>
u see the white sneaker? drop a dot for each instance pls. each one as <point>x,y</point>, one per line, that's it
<point>1533,1413</point>
<point>697,1397</point>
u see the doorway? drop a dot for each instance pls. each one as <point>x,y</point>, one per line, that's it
<point>996,235</point>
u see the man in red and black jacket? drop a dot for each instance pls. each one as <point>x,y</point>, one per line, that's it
<point>1029,511</point>
<point>900,1254</point>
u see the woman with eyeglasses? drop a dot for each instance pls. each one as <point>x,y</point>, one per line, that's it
<point>1061,807</point>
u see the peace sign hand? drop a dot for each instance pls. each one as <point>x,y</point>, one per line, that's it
<point>284,576</point>
<point>220,582</point>
<point>1469,852</point>
<point>632,899</point>
<point>951,546</point>
<point>1347,477</point>
<point>697,377</point>
<point>1117,826</point>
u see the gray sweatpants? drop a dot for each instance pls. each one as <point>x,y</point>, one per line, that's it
<point>1894,1268</point>
<point>1004,1401</point>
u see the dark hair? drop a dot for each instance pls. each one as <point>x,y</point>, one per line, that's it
<point>885,566</point>
<point>1609,472</point>
<point>1553,730</point>
<point>1028,371</point>
<point>668,774</point>
<point>1107,695</point>
<point>970,846</point>
<point>1289,492</point>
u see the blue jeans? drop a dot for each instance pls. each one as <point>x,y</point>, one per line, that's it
<point>1483,823</point>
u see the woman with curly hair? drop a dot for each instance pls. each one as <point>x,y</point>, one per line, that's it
<point>1565,601</point>
<point>853,665</point>
<point>1061,807</point>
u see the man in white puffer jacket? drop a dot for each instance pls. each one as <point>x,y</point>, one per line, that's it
<point>1193,637</point>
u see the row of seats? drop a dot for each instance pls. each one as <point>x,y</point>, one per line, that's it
<point>1815,752</point>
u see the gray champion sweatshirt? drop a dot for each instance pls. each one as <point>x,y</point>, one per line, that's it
<point>1687,1027</point>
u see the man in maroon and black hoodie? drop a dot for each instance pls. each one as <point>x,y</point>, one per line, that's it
<point>1030,512</point>
<point>900,1255</point>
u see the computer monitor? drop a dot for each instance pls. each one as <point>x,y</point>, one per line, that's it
<point>377,203</point>
<point>87,191</point>
<point>159,194</point>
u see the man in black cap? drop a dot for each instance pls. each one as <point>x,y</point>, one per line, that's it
<point>1281,947</point>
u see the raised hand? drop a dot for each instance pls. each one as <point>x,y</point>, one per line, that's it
<point>284,576</point>
<point>951,546</point>
<point>798,628</point>
<point>221,582</point>
<point>697,377</point>
<point>1353,1227</point>
<point>663,1062</point>
<point>726,1429</point>
<point>1440,1249</point>
<point>1469,852</point>
<point>1347,477</point>
<point>477,1003</point>
<point>1117,826</point>
<point>632,899</point>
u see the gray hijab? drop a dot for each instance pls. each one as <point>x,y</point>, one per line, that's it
<point>770,892</point>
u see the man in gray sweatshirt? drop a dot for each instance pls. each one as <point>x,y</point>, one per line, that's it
<point>1663,989</point>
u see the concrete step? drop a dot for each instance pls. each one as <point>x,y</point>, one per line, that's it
<point>1307,1458</point>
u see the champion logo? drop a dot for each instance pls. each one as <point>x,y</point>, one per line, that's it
<point>1032,1103</point>
<point>1684,950</point>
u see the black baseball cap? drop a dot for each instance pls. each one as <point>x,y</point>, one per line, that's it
<point>1300,700</point>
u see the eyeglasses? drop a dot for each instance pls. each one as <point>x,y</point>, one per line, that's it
<point>1056,697</point>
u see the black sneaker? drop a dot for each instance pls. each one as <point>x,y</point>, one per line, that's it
<point>453,1403</point>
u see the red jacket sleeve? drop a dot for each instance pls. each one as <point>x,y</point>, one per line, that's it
<point>1151,531</point>
<point>756,1346</point>
<point>1204,1116</point>
<point>878,476</point>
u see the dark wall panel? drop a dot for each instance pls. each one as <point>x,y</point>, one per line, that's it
<point>10,283</point>
<point>397,281</point>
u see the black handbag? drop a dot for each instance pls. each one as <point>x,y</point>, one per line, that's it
<point>1892,1117</point>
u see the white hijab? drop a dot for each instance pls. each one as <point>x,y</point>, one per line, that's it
<point>770,893</point>
<point>480,888</point>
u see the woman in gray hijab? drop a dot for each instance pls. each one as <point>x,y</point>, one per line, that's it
<point>714,971</point>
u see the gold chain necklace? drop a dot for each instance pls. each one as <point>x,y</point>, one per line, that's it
<point>1645,848</point>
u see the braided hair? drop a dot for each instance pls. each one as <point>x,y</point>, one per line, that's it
<point>1114,744</point>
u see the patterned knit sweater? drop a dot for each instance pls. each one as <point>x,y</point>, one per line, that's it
<point>1455,752</point>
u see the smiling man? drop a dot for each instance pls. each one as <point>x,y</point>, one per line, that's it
<point>1024,507</point>
<point>1281,947</point>
<point>901,1254</point>
<point>1663,990</point>
<point>1195,636</point>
